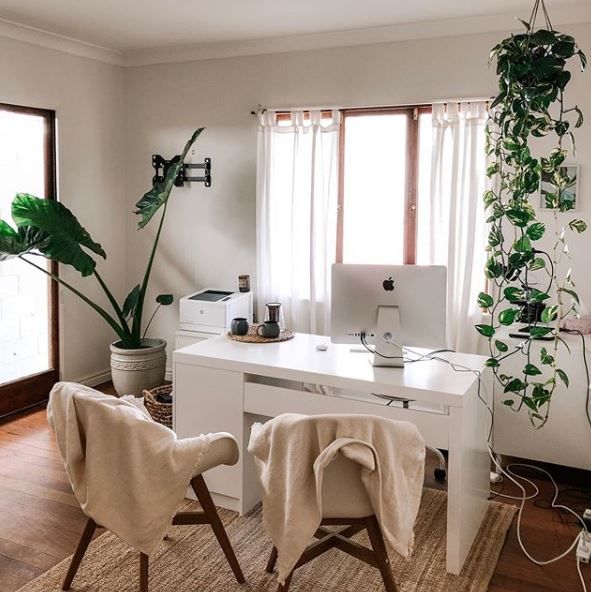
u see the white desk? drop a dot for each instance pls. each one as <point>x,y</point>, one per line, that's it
<point>223,385</point>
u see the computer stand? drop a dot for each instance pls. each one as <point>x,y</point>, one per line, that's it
<point>387,353</point>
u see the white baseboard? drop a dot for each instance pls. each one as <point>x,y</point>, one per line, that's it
<point>103,376</point>
<point>93,380</point>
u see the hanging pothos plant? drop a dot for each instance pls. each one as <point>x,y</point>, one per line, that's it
<point>524,281</point>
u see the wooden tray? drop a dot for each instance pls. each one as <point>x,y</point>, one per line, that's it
<point>252,337</point>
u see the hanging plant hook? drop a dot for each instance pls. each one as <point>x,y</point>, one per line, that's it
<point>534,15</point>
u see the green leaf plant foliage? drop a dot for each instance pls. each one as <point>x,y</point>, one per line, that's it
<point>533,76</point>
<point>44,228</point>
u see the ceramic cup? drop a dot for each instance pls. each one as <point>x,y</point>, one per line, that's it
<point>270,330</point>
<point>239,326</point>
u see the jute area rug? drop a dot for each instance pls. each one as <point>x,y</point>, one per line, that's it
<point>191,561</point>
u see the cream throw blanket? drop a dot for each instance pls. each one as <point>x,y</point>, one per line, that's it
<point>291,453</point>
<point>128,472</point>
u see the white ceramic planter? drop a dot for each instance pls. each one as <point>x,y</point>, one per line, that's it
<point>133,370</point>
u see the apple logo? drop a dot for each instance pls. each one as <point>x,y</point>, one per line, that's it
<point>388,284</point>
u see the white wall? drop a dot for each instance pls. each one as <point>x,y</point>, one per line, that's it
<point>111,120</point>
<point>210,235</point>
<point>88,98</point>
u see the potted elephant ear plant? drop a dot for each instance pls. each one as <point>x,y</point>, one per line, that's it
<point>46,228</point>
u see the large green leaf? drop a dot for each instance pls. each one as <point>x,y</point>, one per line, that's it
<point>21,241</point>
<point>536,230</point>
<point>64,235</point>
<point>165,299</point>
<point>54,218</point>
<point>563,376</point>
<point>130,303</point>
<point>514,386</point>
<point>485,300</point>
<point>154,199</point>
<point>485,330</point>
<point>578,225</point>
<point>508,316</point>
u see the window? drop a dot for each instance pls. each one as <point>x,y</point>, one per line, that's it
<point>28,299</point>
<point>355,186</point>
<point>385,167</point>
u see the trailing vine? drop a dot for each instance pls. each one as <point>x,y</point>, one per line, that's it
<point>524,281</point>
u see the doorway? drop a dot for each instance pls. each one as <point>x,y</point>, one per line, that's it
<point>29,350</point>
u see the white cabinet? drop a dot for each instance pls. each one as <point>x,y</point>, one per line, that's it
<point>210,400</point>
<point>566,438</point>
<point>185,338</point>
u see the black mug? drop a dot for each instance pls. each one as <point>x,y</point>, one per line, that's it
<point>269,329</point>
<point>239,326</point>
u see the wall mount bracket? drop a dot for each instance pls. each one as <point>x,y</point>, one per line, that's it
<point>161,167</point>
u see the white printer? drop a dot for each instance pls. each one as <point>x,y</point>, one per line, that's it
<point>209,312</point>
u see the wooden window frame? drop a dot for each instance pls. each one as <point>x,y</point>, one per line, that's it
<point>33,390</point>
<point>413,113</point>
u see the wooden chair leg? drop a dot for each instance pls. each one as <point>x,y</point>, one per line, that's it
<point>272,561</point>
<point>144,572</point>
<point>204,497</point>
<point>79,553</point>
<point>285,586</point>
<point>379,547</point>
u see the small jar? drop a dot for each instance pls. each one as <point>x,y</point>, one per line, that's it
<point>244,283</point>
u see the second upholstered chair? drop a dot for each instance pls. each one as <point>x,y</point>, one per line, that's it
<point>356,472</point>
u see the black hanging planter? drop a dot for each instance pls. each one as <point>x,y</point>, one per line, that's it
<point>531,313</point>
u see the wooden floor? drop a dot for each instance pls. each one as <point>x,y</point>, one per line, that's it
<point>40,520</point>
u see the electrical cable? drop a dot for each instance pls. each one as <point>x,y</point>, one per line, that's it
<point>373,351</point>
<point>581,575</point>
<point>407,360</point>
<point>508,472</point>
<point>588,393</point>
<point>519,498</point>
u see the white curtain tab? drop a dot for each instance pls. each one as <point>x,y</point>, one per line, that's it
<point>296,216</point>
<point>455,215</point>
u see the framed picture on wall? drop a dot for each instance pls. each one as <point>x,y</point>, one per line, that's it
<point>570,196</point>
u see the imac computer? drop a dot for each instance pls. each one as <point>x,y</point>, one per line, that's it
<point>389,306</point>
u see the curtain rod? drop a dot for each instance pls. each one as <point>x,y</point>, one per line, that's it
<point>261,109</point>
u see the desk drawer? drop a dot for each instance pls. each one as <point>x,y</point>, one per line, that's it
<point>270,401</point>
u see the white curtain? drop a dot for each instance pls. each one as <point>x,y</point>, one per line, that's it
<point>454,214</point>
<point>296,216</point>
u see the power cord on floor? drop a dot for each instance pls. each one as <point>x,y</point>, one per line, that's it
<point>508,471</point>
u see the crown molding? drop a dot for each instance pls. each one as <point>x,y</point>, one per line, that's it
<point>573,14</point>
<point>369,36</point>
<point>61,43</point>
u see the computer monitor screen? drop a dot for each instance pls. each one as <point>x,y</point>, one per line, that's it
<point>389,306</point>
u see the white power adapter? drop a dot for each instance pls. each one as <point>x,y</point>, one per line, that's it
<point>584,547</point>
<point>584,544</point>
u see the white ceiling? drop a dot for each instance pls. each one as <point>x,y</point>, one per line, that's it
<point>132,25</point>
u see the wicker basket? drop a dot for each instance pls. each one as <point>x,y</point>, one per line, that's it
<point>160,412</point>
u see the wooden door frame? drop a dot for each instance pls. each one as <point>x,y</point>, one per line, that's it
<point>413,113</point>
<point>33,390</point>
